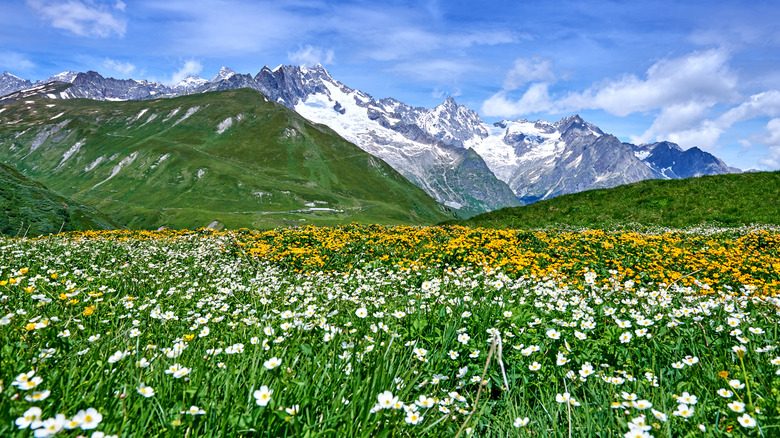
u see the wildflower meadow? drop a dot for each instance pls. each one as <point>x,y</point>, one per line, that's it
<point>367,331</point>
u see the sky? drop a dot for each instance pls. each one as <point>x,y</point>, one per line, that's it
<point>698,73</point>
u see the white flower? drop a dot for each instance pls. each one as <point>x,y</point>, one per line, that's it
<point>386,400</point>
<point>536,366</point>
<point>746,420</point>
<point>263,395</point>
<point>146,391</point>
<point>725,393</point>
<point>412,417</point>
<point>116,357</point>
<point>88,419</point>
<point>737,406</point>
<point>361,312</point>
<point>194,410</point>
<point>51,426</point>
<point>272,363</point>
<point>684,411</point>
<point>520,422</point>
<point>687,399</point>
<point>31,415</point>
<point>463,338</point>
<point>736,384</point>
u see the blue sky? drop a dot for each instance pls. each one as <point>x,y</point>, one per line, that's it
<point>699,73</point>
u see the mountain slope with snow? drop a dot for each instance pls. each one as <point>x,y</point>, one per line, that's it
<point>448,151</point>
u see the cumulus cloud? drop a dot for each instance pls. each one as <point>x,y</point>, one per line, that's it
<point>535,71</point>
<point>703,77</point>
<point>190,68</point>
<point>535,99</point>
<point>683,124</point>
<point>309,56</point>
<point>80,17</point>
<point>123,68</point>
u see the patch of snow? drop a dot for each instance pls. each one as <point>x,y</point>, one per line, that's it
<point>324,209</point>
<point>57,116</point>
<point>574,163</point>
<point>224,125</point>
<point>201,172</point>
<point>453,204</point>
<point>50,105</point>
<point>126,161</point>
<point>139,115</point>
<point>213,224</point>
<point>171,114</point>
<point>94,164</point>
<point>3,109</point>
<point>29,101</point>
<point>187,115</point>
<point>160,160</point>
<point>51,96</point>
<point>69,153</point>
<point>152,117</point>
<point>310,204</point>
<point>642,154</point>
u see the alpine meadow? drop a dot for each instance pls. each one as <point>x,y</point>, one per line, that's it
<point>438,219</point>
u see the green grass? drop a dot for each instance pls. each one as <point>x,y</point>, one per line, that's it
<point>261,172</point>
<point>70,303</point>
<point>29,208</point>
<point>729,200</point>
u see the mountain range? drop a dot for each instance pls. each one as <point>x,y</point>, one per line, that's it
<point>448,151</point>
<point>221,159</point>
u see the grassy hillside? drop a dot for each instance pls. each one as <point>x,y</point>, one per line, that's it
<point>29,208</point>
<point>749,198</point>
<point>228,158</point>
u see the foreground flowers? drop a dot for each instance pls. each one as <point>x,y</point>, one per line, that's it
<point>190,331</point>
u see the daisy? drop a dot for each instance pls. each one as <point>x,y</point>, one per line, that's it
<point>263,395</point>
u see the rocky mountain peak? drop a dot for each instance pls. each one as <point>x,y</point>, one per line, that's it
<point>224,73</point>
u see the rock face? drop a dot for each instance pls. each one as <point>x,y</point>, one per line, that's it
<point>668,160</point>
<point>448,150</point>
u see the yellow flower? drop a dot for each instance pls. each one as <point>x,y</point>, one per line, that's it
<point>88,310</point>
<point>30,327</point>
<point>189,337</point>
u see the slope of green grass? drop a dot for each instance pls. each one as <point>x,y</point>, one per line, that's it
<point>232,157</point>
<point>731,200</point>
<point>29,208</point>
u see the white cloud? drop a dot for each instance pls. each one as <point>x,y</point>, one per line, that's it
<point>120,5</point>
<point>771,139</point>
<point>15,62</point>
<point>527,70</point>
<point>536,99</point>
<point>676,117</point>
<point>703,77</point>
<point>190,68</point>
<point>683,125</point>
<point>81,18</point>
<point>309,56</point>
<point>123,68</point>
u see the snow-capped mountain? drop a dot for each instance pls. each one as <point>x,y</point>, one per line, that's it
<point>10,83</point>
<point>396,133</point>
<point>449,151</point>
<point>670,161</point>
<point>189,83</point>
<point>224,73</point>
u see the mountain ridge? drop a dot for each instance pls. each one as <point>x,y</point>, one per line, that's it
<point>523,161</point>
